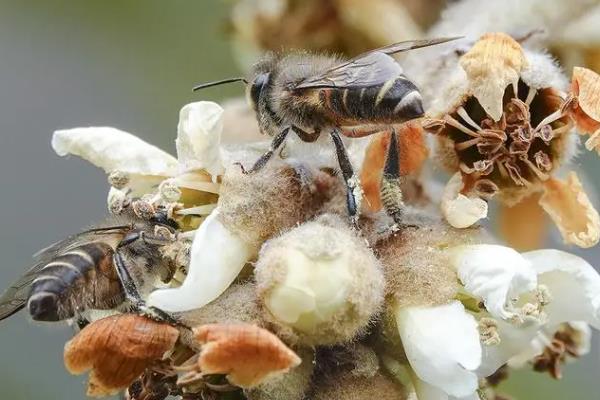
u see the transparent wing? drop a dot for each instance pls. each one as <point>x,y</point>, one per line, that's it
<point>368,69</point>
<point>15,297</point>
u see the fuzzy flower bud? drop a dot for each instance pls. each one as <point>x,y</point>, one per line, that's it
<point>320,281</point>
<point>259,206</point>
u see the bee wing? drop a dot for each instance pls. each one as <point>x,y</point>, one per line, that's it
<point>16,296</point>
<point>368,69</point>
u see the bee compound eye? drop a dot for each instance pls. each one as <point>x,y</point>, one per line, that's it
<point>257,86</point>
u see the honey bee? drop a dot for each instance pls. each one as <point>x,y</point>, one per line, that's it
<point>307,94</point>
<point>104,268</point>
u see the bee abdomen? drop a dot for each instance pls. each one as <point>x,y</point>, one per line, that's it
<point>82,277</point>
<point>399,100</point>
<point>396,100</point>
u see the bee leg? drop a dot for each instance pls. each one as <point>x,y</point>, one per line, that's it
<point>82,322</point>
<point>353,190</point>
<point>262,161</point>
<point>132,294</point>
<point>305,136</point>
<point>391,180</point>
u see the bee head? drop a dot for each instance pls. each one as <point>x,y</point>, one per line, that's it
<point>255,88</point>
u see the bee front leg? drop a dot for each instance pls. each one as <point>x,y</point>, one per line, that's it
<point>353,189</point>
<point>262,161</point>
<point>132,294</point>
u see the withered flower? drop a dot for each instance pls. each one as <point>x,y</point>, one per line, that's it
<point>117,350</point>
<point>586,109</point>
<point>505,128</point>
<point>569,342</point>
<point>246,353</point>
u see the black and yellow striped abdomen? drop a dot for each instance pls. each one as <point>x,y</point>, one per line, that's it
<point>394,101</point>
<point>81,278</point>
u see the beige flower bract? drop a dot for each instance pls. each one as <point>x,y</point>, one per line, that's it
<point>571,210</point>
<point>493,63</point>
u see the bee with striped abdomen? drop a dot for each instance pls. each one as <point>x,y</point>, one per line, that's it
<point>104,268</point>
<point>308,94</point>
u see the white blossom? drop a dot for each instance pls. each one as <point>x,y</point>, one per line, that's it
<point>526,298</point>
<point>116,151</point>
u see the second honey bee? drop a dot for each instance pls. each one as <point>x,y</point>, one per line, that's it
<point>308,94</point>
<point>109,267</point>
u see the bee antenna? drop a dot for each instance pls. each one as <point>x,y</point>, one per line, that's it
<point>215,83</point>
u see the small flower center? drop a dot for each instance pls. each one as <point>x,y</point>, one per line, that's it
<point>518,150</point>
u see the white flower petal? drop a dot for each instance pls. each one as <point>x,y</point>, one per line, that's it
<point>493,273</point>
<point>217,257</point>
<point>425,391</point>
<point>459,210</point>
<point>514,340</point>
<point>442,346</point>
<point>114,150</point>
<point>584,344</point>
<point>199,137</point>
<point>573,283</point>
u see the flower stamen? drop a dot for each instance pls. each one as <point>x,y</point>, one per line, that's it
<point>488,331</point>
<point>464,115</point>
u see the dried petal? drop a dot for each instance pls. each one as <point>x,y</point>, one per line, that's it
<point>246,353</point>
<point>117,349</point>
<point>523,225</point>
<point>586,88</point>
<point>485,188</point>
<point>593,143</point>
<point>493,63</point>
<point>459,210</point>
<point>571,210</point>
<point>114,150</point>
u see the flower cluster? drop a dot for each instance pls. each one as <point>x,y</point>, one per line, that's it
<point>311,306</point>
<point>276,295</point>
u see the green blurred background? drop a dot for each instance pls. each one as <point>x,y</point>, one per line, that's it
<point>128,64</point>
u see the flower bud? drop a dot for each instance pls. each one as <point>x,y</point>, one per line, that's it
<point>319,282</point>
<point>290,386</point>
<point>258,206</point>
<point>346,386</point>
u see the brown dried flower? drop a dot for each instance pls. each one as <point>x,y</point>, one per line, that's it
<point>509,130</point>
<point>565,344</point>
<point>586,110</point>
<point>246,353</point>
<point>117,349</point>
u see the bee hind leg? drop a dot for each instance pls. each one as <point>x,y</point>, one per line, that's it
<point>353,189</point>
<point>391,181</point>
<point>264,159</point>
